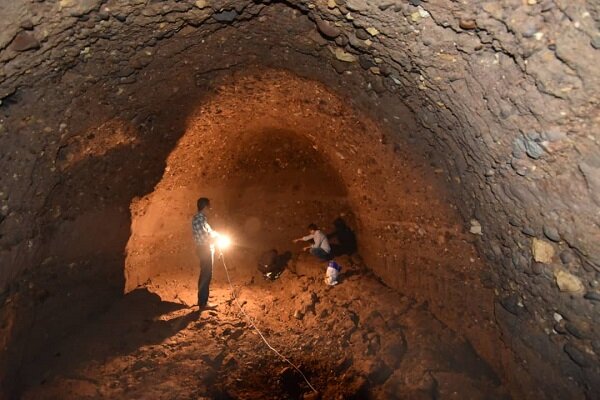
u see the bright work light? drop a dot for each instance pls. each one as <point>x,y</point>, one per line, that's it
<point>223,242</point>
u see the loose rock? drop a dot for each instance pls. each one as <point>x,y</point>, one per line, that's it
<point>25,41</point>
<point>568,282</point>
<point>201,4</point>
<point>594,296</point>
<point>328,30</point>
<point>551,233</point>
<point>475,227</point>
<point>226,16</point>
<point>468,24</point>
<point>542,251</point>
<point>341,55</point>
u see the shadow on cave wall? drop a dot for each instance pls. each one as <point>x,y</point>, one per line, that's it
<point>83,244</point>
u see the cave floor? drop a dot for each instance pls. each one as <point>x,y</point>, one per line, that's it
<point>358,339</point>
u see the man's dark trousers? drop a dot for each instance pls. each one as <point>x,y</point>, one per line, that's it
<point>206,267</point>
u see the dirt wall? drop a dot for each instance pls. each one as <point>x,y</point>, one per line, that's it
<point>95,94</point>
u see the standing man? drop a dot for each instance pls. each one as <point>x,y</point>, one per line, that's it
<point>320,248</point>
<point>203,236</point>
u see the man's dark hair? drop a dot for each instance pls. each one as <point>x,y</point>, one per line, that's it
<point>312,227</point>
<point>202,203</point>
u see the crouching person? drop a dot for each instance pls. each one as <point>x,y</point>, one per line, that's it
<point>332,273</point>
<point>320,247</point>
<point>271,264</point>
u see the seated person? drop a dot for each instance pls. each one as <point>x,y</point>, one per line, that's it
<point>271,264</point>
<point>320,247</point>
<point>344,237</point>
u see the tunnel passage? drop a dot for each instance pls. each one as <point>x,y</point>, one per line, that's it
<point>503,101</point>
<point>266,185</point>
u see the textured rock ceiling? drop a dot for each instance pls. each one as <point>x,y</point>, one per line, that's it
<point>504,94</point>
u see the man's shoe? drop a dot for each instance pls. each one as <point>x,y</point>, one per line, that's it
<point>208,307</point>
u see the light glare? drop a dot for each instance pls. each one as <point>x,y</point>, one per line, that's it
<point>223,242</point>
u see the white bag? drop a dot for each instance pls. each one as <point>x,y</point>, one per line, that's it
<point>331,276</point>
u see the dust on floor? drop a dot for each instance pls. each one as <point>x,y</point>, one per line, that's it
<point>358,339</point>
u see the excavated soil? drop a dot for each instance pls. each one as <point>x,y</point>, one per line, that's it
<point>358,339</point>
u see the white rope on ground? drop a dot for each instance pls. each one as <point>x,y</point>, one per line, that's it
<point>258,330</point>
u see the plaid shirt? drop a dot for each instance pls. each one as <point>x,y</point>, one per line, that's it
<point>201,229</point>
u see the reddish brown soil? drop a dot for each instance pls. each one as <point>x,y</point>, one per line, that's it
<point>358,339</point>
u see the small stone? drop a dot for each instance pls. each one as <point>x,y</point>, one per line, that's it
<point>513,304</point>
<point>593,296</point>
<point>25,41</point>
<point>226,16</point>
<point>557,317</point>
<point>475,227</point>
<point>521,167</point>
<point>365,61</point>
<point>533,149</point>
<point>341,40</point>
<point>560,328</point>
<point>551,233</point>
<point>567,256</point>
<point>77,8</point>
<point>528,231</point>
<point>201,4</point>
<point>518,148</point>
<point>331,4</point>
<point>415,3</point>
<point>357,5</point>
<point>537,268</point>
<point>328,30</point>
<point>362,34</point>
<point>415,17</point>
<point>372,31</point>
<point>532,2</point>
<point>385,70</point>
<point>339,66</point>
<point>595,42</point>
<point>542,251</point>
<point>568,282</point>
<point>467,24</point>
<point>298,314</point>
<point>27,24</point>
<point>341,55</point>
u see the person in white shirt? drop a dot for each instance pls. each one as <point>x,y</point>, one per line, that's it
<point>320,247</point>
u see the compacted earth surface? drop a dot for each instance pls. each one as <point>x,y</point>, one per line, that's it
<point>358,339</point>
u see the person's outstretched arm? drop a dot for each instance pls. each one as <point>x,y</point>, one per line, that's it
<point>304,238</point>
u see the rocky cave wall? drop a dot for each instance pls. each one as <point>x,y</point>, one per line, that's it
<point>505,95</point>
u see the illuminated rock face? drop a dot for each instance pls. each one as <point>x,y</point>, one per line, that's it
<point>497,99</point>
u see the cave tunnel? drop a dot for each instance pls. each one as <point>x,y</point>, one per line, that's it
<point>458,141</point>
